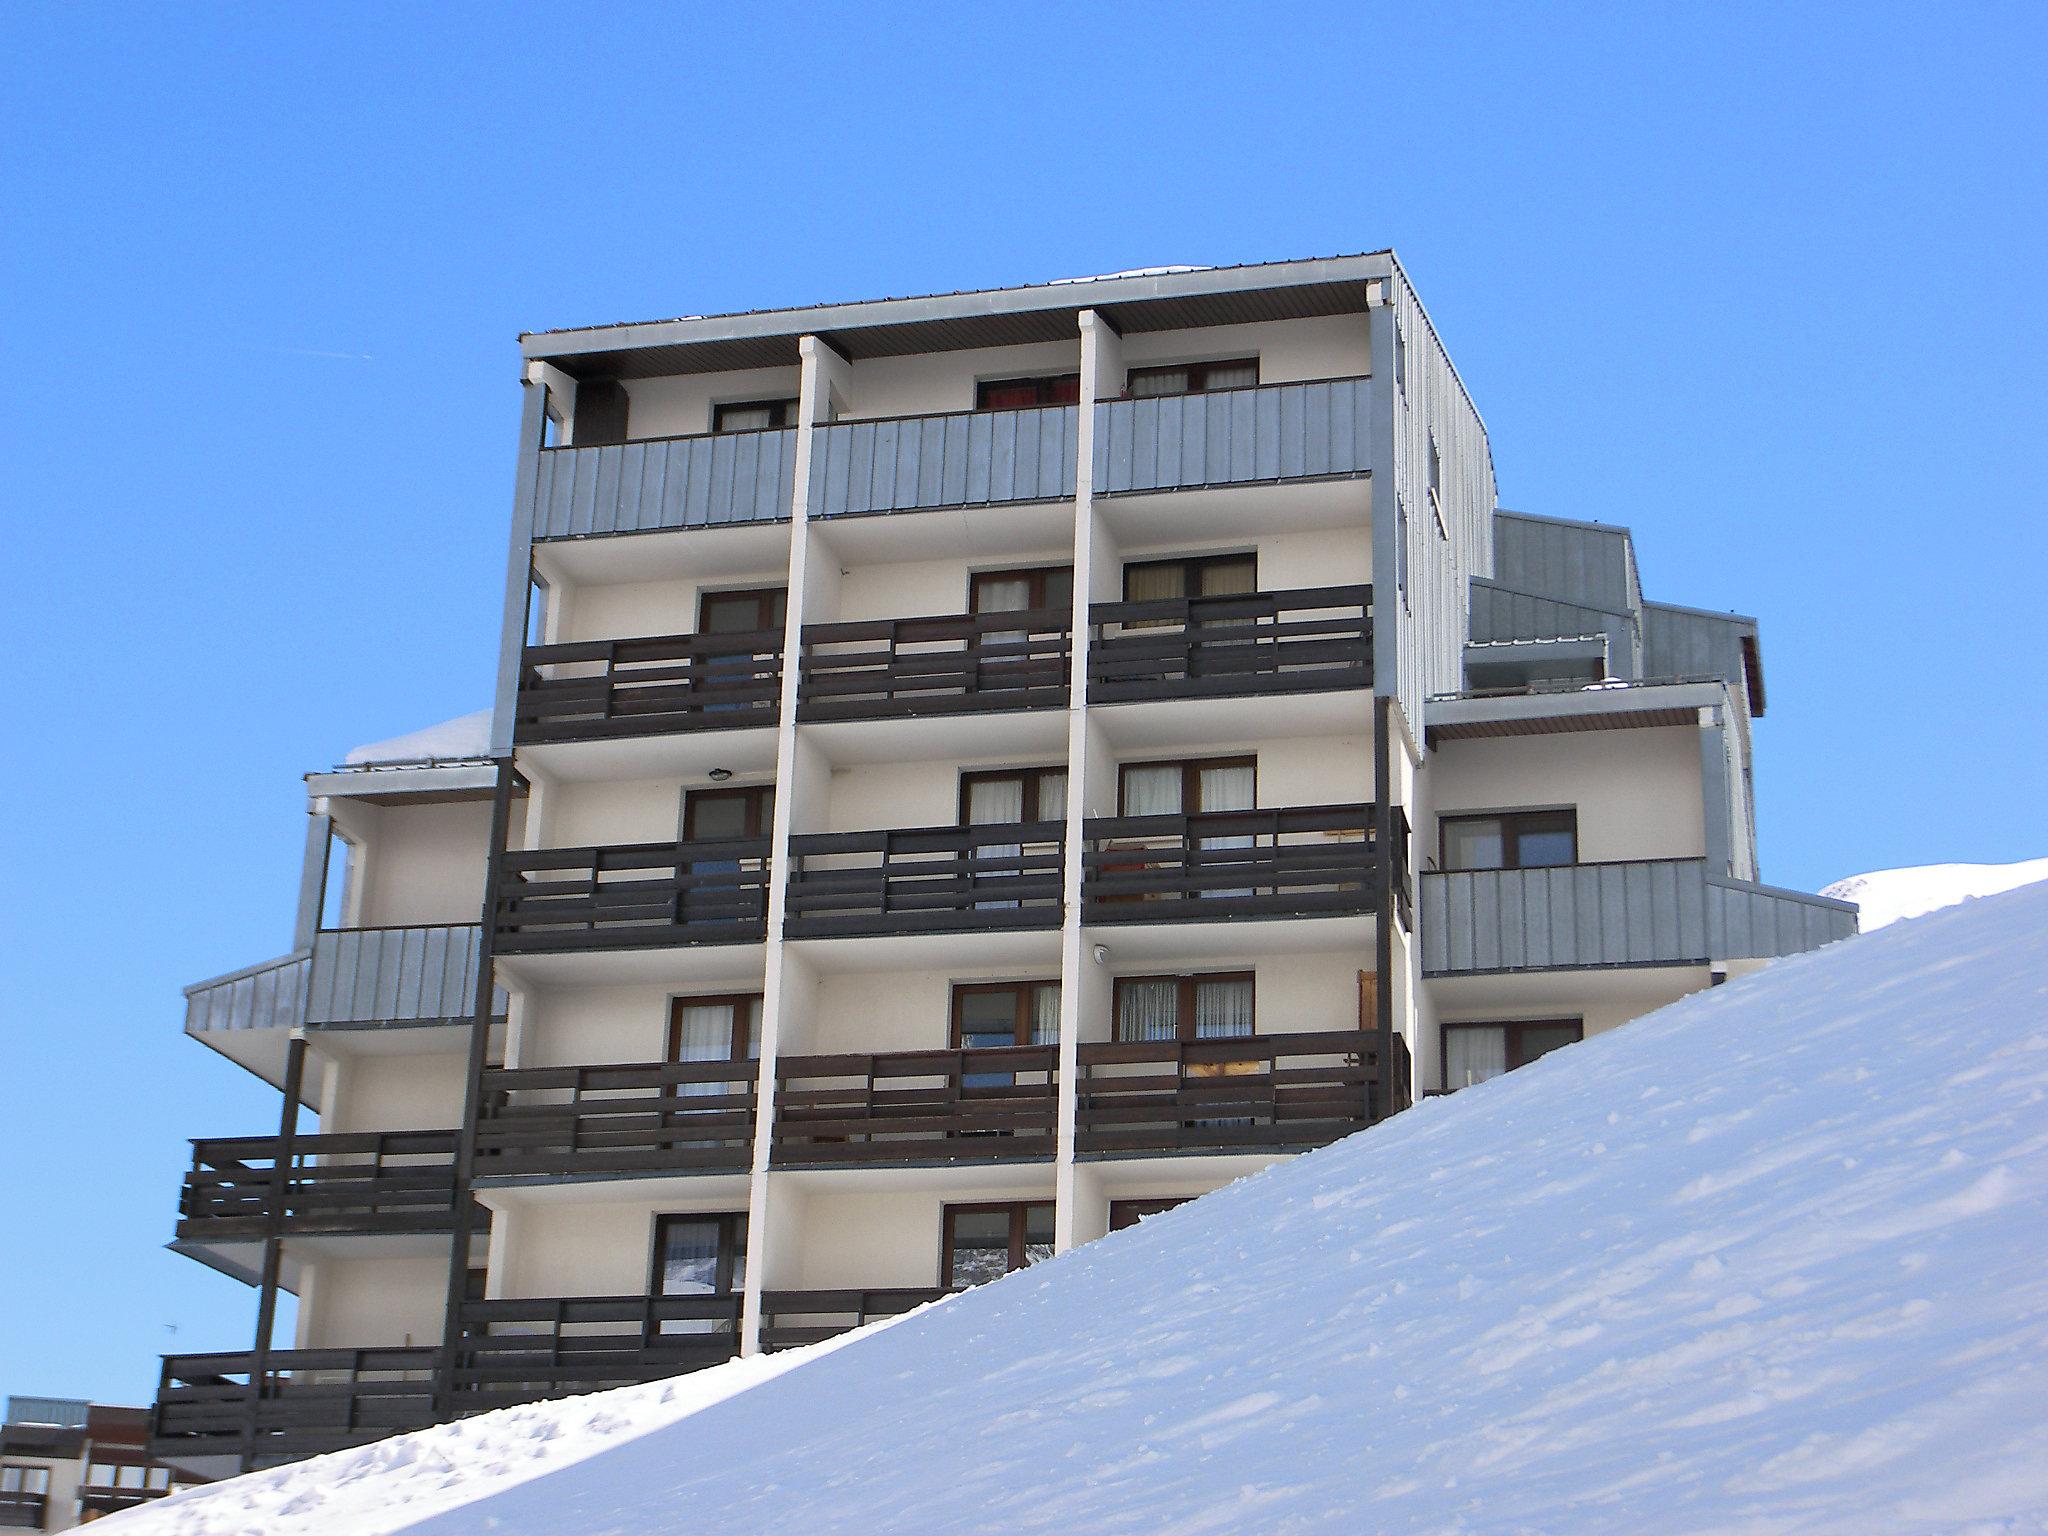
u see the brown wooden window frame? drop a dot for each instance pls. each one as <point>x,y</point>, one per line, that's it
<point>781,409</point>
<point>1512,829</point>
<point>771,607</point>
<point>731,1246</point>
<point>743,1021</point>
<point>1128,1213</point>
<point>1514,1028</point>
<point>1047,387</point>
<point>1192,567</point>
<point>1038,576</point>
<point>1184,1001</point>
<point>1020,1216</point>
<point>1032,777</point>
<point>1022,1030</point>
<point>1198,375</point>
<point>1190,777</point>
<point>760,803</point>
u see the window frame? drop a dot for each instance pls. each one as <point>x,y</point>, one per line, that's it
<point>1019,1212</point>
<point>1044,384</point>
<point>1035,575</point>
<point>25,1470</point>
<point>1032,777</point>
<point>767,600</point>
<point>1510,847</point>
<point>1191,778</point>
<point>760,803</point>
<point>1191,567</point>
<point>1021,1024</point>
<point>1194,371</point>
<point>1187,983</point>
<point>782,408</point>
<point>744,1025</point>
<point>1511,1045</point>
<point>731,1246</point>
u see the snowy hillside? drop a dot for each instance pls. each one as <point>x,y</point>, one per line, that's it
<point>1766,1262</point>
<point>1887,895</point>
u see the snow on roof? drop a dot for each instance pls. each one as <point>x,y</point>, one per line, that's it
<point>1753,1263</point>
<point>1888,895</point>
<point>466,738</point>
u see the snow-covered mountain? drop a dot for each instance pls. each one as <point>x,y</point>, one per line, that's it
<point>1887,895</point>
<point>1768,1261</point>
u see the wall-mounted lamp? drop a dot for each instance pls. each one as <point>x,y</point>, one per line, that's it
<point>719,775</point>
<point>1101,954</point>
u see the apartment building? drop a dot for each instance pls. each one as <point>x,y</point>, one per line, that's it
<point>965,773</point>
<point>65,1462</point>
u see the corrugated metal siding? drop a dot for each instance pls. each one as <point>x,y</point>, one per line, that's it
<point>1500,614</point>
<point>1680,643</point>
<point>1234,437</point>
<point>1568,561</point>
<point>267,996</point>
<point>1658,912</point>
<point>962,460</point>
<point>393,975</point>
<point>684,482</point>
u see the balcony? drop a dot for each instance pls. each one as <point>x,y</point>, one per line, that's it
<point>1269,432</point>
<point>656,1117</point>
<point>304,1402</point>
<point>896,668</point>
<point>519,1351</point>
<point>411,975</point>
<point>995,1104</point>
<point>606,690</point>
<point>675,482</point>
<point>1303,641</point>
<point>790,1319</point>
<point>1589,916</point>
<point>961,459</point>
<point>23,1511</point>
<point>372,1182</point>
<point>632,896</point>
<point>925,880</point>
<point>1247,1093</point>
<point>1296,861</point>
<point>99,1500</point>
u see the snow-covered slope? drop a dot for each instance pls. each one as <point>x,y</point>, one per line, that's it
<point>1887,895</point>
<point>1768,1261</point>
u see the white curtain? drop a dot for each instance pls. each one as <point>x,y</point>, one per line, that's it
<point>1159,381</point>
<point>1235,376</point>
<point>1152,789</point>
<point>1154,583</point>
<point>1052,797</point>
<point>1003,594</point>
<point>1472,1055</point>
<point>1045,1015</point>
<point>704,1032</point>
<point>1228,789</point>
<point>1223,1008</point>
<point>994,800</point>
<point>1147,1010</point>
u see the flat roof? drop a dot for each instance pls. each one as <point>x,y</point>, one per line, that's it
<point>1155,299</point>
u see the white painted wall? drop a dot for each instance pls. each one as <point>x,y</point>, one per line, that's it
<point>619,610</point>
<point>1287,350</point>
<point>1637,791</point>
<point>681,405</point>
<point>587,813</point>
<point>586,1026</point>
<point>395,1093</point>
<point>420,863</point>
<point>945,381</point>
<point>596,1246</point>
<point>372,1302</point>
<point>1308,770</point>
<point>892,1011</point>
<point>876,1239</point>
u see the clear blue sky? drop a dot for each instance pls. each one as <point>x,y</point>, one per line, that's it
<point>1762,282</point>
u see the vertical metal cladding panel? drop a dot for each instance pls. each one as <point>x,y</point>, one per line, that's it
<point>963,460</point>
<point>1581,915</point>
<point>1567,561</point>
<point>393,975</point>
<point>1233,437</point>
<point>1760,922</point>
<point>1680,643</point>
<point>268,996</point>
<point>684,482</point>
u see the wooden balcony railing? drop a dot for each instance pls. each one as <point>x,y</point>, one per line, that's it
<point>1295,861</point>
<point>894,668</point>
<point>793,1318</point>
<point>100,1500</point>
<point>23,1511</point>
<point>522,1350</point>
<point>1239,1093</point>
<point>633,896</point>
<point>371,1181</point>
<point>676,1116</point>
<point>981,1105</point>
<point>1312,639</point>
<point>601,690</point>
<point>303,1403</point>
<point>925,879</point>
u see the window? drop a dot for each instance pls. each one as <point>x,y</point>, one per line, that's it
<point>986,1242</point>
<point>1128,1213</point>
<point>1022,394</point>
<point>1193,378</point>
<point>699,1256</point>
<point>1436,472</point>
<point>1048,586</point>
<point>1211,1007</point>
<point>753,415</point>
<point>1187,788</point>
<point>1401,359</point>
<point>33,1481</point>
<point>1510,840</point>
<point>739,613</point>
<point>714,815</point>
<point>1011,795</point>
<point>714,1029</point>
<point>1148,581</point>
<point>1475,1052</point>
<point>602,409</point>
<point>996,1013</point>
<point>338,881</point>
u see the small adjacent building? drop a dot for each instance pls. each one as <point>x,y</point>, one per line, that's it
<point>965,772</point>
<point>65,1462</point>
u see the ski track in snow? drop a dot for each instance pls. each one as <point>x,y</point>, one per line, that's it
<point>1767,1262</point>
